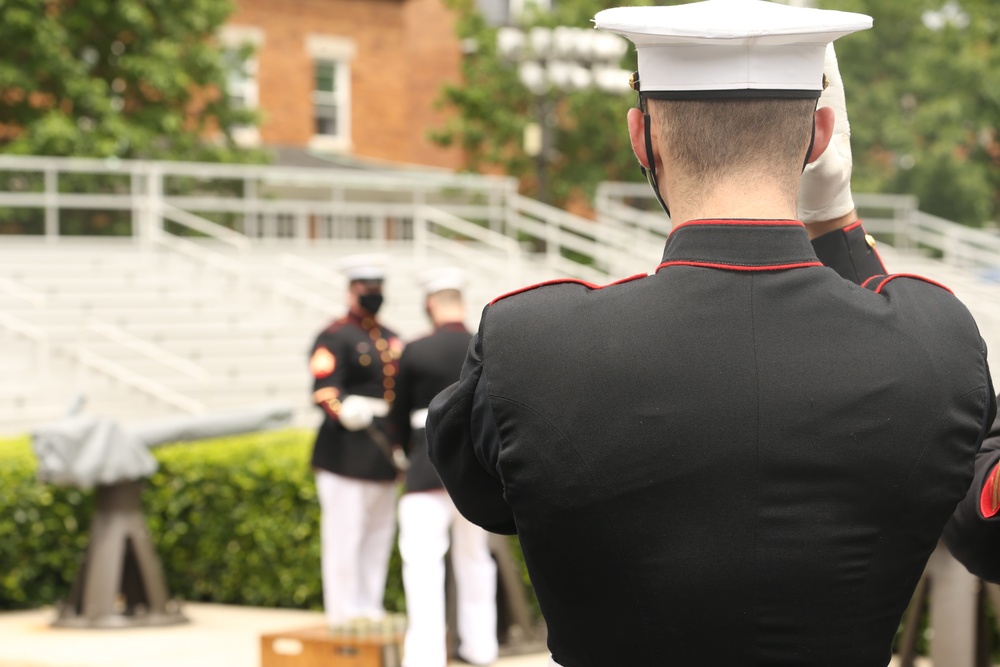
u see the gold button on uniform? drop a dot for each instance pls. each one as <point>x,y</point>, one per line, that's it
<point>388,383</point>
<point>390,396</point>
<point>382,345</point>
<point>870,240</point>
<point>365,360</point>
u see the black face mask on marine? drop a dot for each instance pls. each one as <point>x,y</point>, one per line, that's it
<point>370,302</point>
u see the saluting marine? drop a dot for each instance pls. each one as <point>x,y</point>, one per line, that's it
<point>428,522</point>
<point>354,363</point>
<point>742,458</point>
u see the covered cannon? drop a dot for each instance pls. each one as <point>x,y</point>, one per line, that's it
<point>120,582</point>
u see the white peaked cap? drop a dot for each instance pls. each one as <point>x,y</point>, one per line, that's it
<point>439,279</point>
<point>363,267</point>
<point>760,48</point>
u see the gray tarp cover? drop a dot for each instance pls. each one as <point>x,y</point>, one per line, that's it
<point>84,450</point>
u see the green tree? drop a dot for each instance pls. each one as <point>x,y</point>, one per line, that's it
<point>923,93</point>
<point>493,108</point>
<point>118,78</point>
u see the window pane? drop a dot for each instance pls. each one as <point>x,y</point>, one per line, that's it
<point>326,119</point>
<point>326,76</point>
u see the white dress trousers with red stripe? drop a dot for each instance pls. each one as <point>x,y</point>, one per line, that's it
<point>426,518</point>
<point>357,525</point>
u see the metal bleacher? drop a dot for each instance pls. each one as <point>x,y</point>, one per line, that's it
<point>226,273</point>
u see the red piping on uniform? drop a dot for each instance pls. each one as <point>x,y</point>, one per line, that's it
<point>559,281</point>
<point>871,278</point>
<point>735,267</point>
<point>738,222</point>
<point>986,497</point>
<point>878,290</point>
<point>852,226</point>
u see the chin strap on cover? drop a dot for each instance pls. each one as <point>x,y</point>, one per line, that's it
<point>650,174</point>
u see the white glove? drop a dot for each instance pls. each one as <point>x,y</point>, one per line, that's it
<point>825,192</point>
<point>355,413</point>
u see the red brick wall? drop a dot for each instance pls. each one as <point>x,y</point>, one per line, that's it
<point>406,50</point>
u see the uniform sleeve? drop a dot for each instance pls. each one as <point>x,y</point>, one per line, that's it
<point>973,534</point>
<point>328,365</point>
<point>463,445</point>
<point>400,429</point>
<point>850,252</point>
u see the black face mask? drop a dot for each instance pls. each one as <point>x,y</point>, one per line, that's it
<point>370,302</point>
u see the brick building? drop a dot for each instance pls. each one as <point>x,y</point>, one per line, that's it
<point>352,80</point>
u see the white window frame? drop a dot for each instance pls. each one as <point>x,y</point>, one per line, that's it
<point>233,37</point>
<point>340,52</point>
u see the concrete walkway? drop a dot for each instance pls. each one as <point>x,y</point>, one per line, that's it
<point>217,636</point>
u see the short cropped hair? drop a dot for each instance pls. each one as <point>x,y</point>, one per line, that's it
<point>708,139</point>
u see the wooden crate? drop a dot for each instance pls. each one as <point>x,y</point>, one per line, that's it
<point>317,647</point>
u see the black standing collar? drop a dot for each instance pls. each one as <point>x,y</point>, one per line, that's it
<point>740,245</point>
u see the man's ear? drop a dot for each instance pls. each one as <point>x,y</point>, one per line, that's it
<point>637,134</point>
<point>824,121</point>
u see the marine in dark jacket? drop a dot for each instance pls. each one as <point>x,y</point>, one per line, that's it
<point>354,363</point>
<point>429,524</point>
<point>742,458</point>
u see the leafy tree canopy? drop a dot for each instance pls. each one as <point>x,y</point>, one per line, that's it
<point>117,78</point>
<point>590,142</point>
<point>923,91</point>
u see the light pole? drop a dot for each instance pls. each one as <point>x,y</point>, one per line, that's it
<point>555,61</point>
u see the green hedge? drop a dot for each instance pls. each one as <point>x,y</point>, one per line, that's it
<point>43,530</point>
<point>235,521</point>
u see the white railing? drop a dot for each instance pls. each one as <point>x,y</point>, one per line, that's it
<point>23,293</point>
<point>896,218</point>
<point>147,349</point>
<point>152,388</point>
<point>37,335</point>
<point>253,201</point>
<point>214,214</point>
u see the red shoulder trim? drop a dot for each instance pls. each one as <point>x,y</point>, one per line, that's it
<point>878,290</point>
<point>871,278</point>
<point>741,222</point>
<point>558,281</point>
<point>987,505</point>
<point>852,226</point>
<point>336,325</point>
<point>738,267</point>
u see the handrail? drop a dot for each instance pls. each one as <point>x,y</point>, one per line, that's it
<point>310,269</point>
<point>17,325</point>
<point>26,294</point>
<point>465,228</point>
<point>389,179</point>
<point>427,215</point>
<point>203,255</point>
<point>38,335</point>
<point>908,227</point>
<point>148,349</point>
<point>207,227</point>
<point>302,296</point>
<point>153,388</point>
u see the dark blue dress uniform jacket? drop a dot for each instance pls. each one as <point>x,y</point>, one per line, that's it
<point>972,536</point>
<point>428,365</point>
<point>742,459</point>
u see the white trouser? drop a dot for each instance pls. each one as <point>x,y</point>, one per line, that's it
<point>553,663</point>
<point>357,524</point>
<point>424,521</point>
